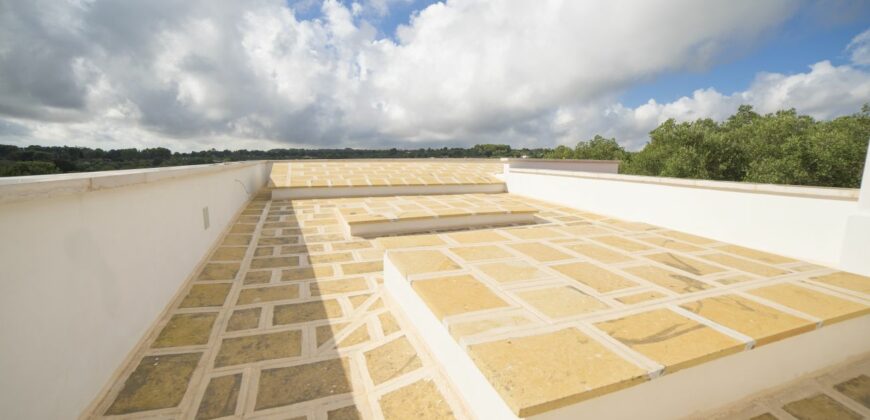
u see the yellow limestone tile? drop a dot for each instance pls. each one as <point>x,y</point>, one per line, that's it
<point>540,252</point>
<point>585,230</point>
<point>268,294</point>
<point>672,340</point>
<point>535,233</point>
<point>763,323</point>
<point>820,305</point>
<point>346,285</point>
<point>640,297</point>
<point>420,400</point>
<point>560,302</point>
<point>393,242</point>
<point>744,265</point>
<point>305,273</point>
<point>599,253</point>
<point>478,253</point>
<point>362,267</point>
<point>684,263</point>
<point>737,278</point>
<point>421,262</point>
<point>670,243</point>
<point>511,271</point>
<point>468,328</point>
<point>622,243</point>
<point>325,333</point>
<point>391,360</point>
<point>331,257</point>
<point>631,226</point>
<point>697,240</point>
<point>360,335</point>
<point>756,255</point>
<point>446,296</point>
<point>847,281</point>
<point>543,372</point>
<point>668,279</point>
<point>477,236</point>
<point>389,324</point>
<point>595,277</point>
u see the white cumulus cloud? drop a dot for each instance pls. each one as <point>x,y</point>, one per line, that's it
<point>204,73</point>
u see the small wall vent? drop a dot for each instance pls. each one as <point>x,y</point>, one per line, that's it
<point>205,220</point>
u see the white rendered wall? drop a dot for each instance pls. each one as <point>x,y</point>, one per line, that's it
<point>856,246</point>
<point>84,275</point>
<point>581,165</point>
<point>804,223</point>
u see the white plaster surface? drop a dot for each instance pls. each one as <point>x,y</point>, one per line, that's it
<point>804,223</point>
<point>856,243</point>
<point>596,166</point>
<point>85,273</point>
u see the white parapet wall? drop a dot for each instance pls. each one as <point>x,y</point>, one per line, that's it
<point>801,222</point>
<point>87,264</point>
<point>581,165</point>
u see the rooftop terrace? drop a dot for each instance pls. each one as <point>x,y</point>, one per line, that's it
<point>324,298</point>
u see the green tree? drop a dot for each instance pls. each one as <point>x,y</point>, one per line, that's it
<point>600,148</point>
<point>28,167</point>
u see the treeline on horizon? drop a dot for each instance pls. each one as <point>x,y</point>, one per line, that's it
<point>779,148</point>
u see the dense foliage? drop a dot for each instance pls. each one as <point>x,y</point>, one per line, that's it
<point>780,148</point>
<point>35,160</point>
<point>783,148</point>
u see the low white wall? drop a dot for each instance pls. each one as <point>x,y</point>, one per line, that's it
<point>580,165</point>
<point>801,222</point>
<point>88,262</point>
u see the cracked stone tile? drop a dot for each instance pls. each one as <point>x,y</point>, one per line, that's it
<point>670,280</point>
<point>763,323</point>
<point>674,341</point>
<point>392,360</point>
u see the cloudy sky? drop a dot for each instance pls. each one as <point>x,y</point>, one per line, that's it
<point>196,74</point>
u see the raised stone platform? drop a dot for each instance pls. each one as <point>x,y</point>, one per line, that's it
<point>333,179</point>
<point>587,318</point>
<point>417,214</point>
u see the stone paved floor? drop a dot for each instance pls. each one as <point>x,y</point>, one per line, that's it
<point>384,173</point>
<point>621,302</point>
<point>288,319</point>
<point>842,392</point>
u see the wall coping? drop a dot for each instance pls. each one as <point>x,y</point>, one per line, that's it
<point>24,188</point>
<point>521,160</point>
<point>829,193</point>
